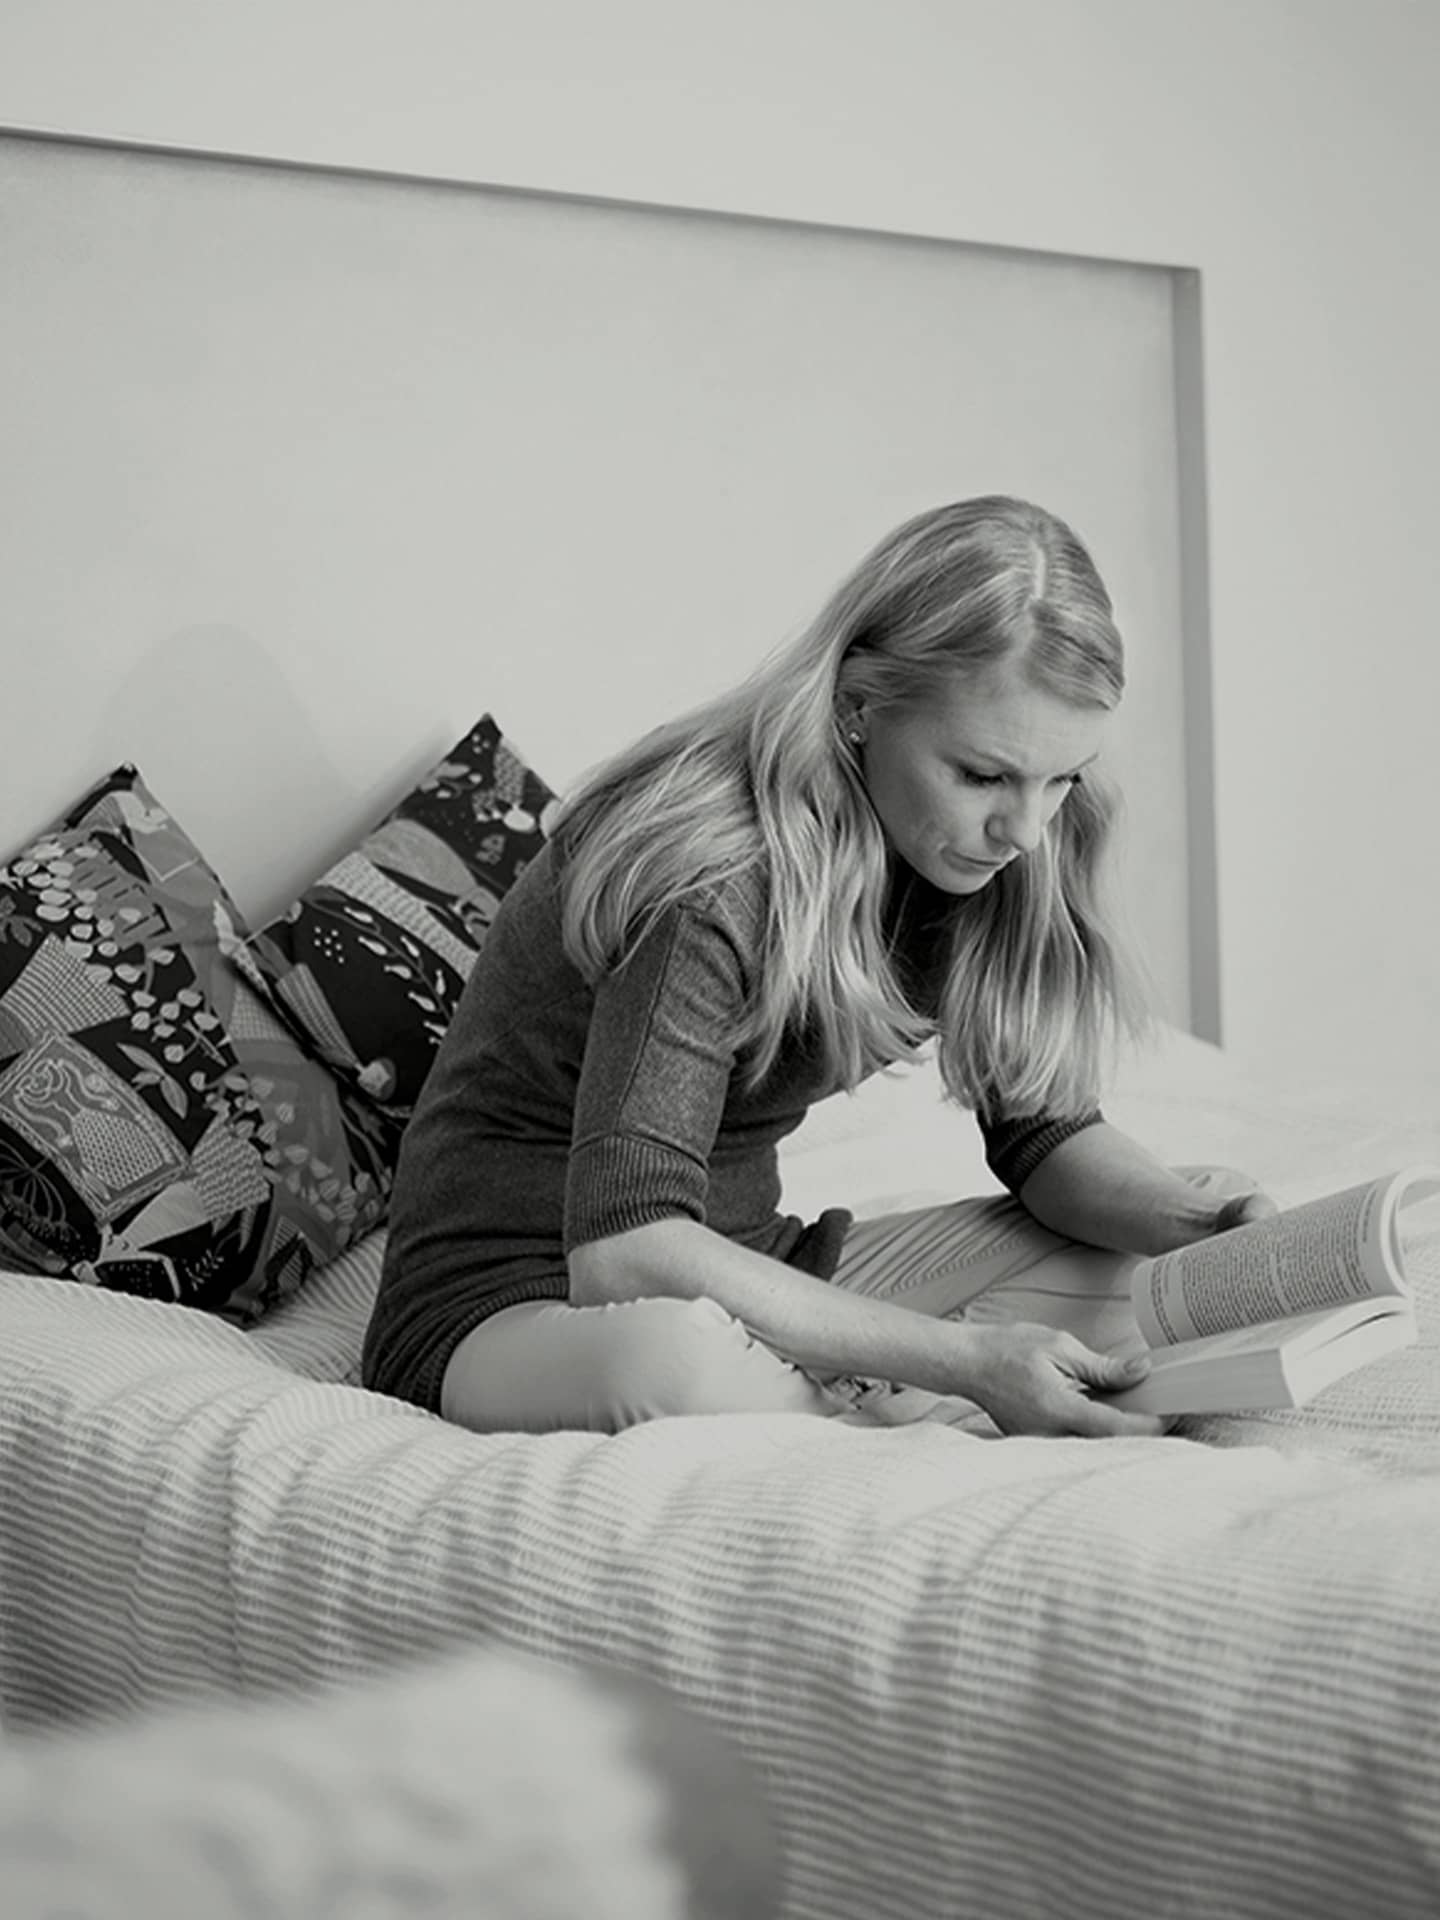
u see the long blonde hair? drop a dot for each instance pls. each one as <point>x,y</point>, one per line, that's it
<point>761,784</point>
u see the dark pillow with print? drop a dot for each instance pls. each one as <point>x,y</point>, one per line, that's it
<point>369,963</point>
<point>161,1132</point>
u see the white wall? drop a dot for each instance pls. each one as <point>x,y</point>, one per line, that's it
<point>1289,151</point>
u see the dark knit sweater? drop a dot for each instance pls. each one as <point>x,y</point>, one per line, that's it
<point>558,1113</point>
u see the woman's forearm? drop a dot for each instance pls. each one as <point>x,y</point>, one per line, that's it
<point>809,1321</point>
<point>1102,1187</point>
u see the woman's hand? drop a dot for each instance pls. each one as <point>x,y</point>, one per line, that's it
<point>1243,1210</point>
<point>1032,1379</point>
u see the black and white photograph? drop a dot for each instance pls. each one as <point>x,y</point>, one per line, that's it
<point>719,960</point>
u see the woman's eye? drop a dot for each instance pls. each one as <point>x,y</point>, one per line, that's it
<point>973,779</point>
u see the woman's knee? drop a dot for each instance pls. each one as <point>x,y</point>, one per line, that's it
<point>676,1357</point>
<point>546,1365</point>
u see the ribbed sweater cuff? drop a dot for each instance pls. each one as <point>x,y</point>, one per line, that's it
<point>623,1181</point>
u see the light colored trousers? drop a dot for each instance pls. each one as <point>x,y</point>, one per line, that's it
<point>545,1365</point>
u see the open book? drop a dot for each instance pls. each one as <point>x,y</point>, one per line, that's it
<point>1267,1315</point>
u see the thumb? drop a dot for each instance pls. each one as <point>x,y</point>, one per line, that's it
<point>1245,1210</point>
<point>1112,1371</point>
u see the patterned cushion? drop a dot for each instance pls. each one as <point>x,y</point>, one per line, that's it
<point>160,1131</point>
<point>369,962</point>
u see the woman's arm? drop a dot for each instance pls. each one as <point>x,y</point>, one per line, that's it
<point>1102,1187</point>
<point>1029,1379</point>
<point>809,1321</point>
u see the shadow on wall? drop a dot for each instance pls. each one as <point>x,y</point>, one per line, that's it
<point>215,723</point>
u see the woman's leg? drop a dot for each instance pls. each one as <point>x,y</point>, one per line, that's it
<point>989,1260</point>
<point>543,1366</point>
<point>992,1263</point>
<point>986,1260</point>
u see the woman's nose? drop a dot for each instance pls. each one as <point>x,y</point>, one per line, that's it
<point>1019,823</point>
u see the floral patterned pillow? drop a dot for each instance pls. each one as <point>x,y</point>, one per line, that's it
<point>369,963</point>
<point>161,1132</point>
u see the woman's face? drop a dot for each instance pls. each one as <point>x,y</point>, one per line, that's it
<point>968,781</point>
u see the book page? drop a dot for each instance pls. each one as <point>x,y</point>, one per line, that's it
<point>1338,1248</point>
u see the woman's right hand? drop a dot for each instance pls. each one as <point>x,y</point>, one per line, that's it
<point>1033,1379</point>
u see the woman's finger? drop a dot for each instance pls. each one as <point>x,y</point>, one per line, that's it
<point>1098,1420</point>
<point>1245,1210</point>
<point>1103,1373</point>
<point>1107,1372</point>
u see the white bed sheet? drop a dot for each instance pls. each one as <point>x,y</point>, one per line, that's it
<point>1027,1678</point>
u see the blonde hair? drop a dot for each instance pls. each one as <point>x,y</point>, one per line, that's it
<point>761,785</point>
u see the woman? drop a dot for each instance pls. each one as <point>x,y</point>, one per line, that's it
<point>893,829</point>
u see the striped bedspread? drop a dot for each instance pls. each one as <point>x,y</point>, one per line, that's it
<point>1022,1679</point>
<point>1196,1676</point>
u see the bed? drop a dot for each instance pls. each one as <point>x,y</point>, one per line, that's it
<point>1193,1675</point>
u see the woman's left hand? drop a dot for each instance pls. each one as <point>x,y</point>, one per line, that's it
<point>1214,1200</point>
<point>1243,1210</point>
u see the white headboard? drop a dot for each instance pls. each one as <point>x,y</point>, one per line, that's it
<point>305,469</point>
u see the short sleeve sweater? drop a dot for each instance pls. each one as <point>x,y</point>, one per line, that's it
<point>560,1111</point>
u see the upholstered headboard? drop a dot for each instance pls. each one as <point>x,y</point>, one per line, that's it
<point>306,469</point>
